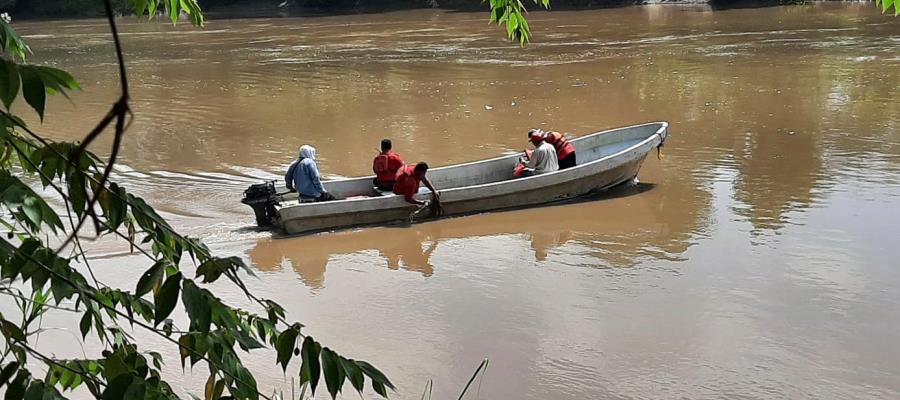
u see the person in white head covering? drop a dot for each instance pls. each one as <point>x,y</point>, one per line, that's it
<point>303,176</point>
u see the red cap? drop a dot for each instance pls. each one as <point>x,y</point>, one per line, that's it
<point>536,138</point>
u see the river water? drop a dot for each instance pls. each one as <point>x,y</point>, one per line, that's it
<point>753,261</point>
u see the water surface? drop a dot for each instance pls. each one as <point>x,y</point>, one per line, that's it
<point>754,260</point>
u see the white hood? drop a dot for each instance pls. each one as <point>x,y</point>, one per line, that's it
<point>307,151</point>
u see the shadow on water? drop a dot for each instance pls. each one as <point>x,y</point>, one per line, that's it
<point>593,224</point>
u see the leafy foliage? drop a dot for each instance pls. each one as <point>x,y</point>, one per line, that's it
<point>36,84</point>
<point>171,8</point>
<point>10,41</point>
<point>41,278</point>
<point>887,4</point>
<point>512,13</point>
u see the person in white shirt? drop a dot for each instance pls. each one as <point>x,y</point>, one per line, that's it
<point>543,159</point>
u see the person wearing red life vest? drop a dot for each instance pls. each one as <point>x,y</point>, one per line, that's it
<point>565,151</point>
<point>386,166</point>
<point>408,179</point>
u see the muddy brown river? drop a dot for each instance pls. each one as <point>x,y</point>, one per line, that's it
<point>754,261</point>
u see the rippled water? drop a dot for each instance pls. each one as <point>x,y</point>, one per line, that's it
<point>754,260</point>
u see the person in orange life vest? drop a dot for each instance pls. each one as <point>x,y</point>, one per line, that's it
<point>408,179</point>
<point>386,166</point>
<point>565,152</point>
<point>539,161</point>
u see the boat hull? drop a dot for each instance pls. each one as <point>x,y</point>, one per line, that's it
<point>603,172</point>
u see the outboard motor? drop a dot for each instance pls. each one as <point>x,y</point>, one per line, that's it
<point>262,198</point>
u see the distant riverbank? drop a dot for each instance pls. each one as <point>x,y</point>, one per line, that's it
<point>55,9</point>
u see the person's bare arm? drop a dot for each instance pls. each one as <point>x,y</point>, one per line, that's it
<point>536,157</point>
<point>430,186</point>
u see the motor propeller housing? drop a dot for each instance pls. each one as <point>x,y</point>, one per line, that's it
<point>262,197</point>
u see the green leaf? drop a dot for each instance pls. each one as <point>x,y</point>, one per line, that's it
<point>246,341</point>
<point>16,388</point>
<point>172,7</point>
<point>8,372</point>
<point>285,345</point>
<point>185,344</point>
<point>49,168</point>
<point>511,25</point>
<point>197,307</point>
<point>136,390</point>
<point>157,359</point>
<point>116,207</point>
<point>140,6</point>
<point>33,89</point>
<point>85,324</point>
<point>274,311</point>
<point>310,370</point>
<point>378,387</point>
<point>11,42</point>
<point>150,279</point>
<point>212,269</point>
<point>9,82</point>
<point>354,374</point>
<point>31,206</point>
<point>165,300</point>
<point>57,80</point>
<point>21,257</point>
<point>60,287</point>
<point>77,193</point>
<point>220,387</point>
<point>374,374</point>
<point>35,391</point>
<point>116,389</point>
<point>333,371</point>
<point>11,331</point>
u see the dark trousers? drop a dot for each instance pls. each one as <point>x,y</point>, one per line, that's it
<point>322,197</point>
<point>567,162</point>
<point>386,186</point>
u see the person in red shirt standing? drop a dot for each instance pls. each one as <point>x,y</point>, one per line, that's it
<point>408,179</point>
<point>386,166</point>
<point>565,152</point>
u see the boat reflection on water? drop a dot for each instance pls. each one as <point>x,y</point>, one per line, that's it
<point>615,231</point>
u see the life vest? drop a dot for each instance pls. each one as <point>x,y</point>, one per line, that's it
<point>560,143</point>
<point>386,165</point>
<point>406,182</point>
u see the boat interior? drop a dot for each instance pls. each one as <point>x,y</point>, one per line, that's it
<point>589,148</point>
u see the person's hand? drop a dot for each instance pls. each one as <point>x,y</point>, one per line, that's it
<point>436,194</point>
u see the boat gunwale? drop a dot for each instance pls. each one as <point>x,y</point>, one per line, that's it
<point>518,181</point>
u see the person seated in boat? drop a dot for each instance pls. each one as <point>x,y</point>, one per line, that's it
<point>408,179</point>
<point>540,161</point>
<point>386,166</point>
<point>303,177</point>
<point>565,151</point>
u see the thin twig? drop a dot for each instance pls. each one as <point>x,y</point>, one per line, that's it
<point>122,106</point>
<point>58,364</point>
<point>115,33</point>
<point>119,111</point>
